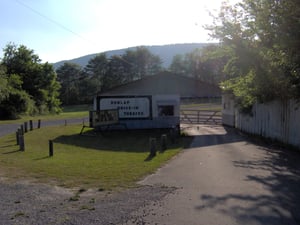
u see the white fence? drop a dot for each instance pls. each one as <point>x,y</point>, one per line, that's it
<point>276,120</point>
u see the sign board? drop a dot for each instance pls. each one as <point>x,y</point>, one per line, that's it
<point>103,117</point>
<point>128,107</point>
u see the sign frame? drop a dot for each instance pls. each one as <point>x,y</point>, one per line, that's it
<point>148,97</point>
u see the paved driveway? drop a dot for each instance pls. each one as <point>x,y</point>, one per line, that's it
<point>225,179</point>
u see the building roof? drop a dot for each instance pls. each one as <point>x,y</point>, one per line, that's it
<point>166,83</point>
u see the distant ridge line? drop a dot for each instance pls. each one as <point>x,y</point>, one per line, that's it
<point>165,52</point>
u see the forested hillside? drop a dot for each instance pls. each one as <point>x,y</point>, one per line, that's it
<point>165,52</point>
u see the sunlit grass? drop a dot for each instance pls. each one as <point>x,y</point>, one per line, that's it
<point>117,159</point>
<point>69,112</point>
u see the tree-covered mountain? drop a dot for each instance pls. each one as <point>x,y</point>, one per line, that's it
<point>165,52</point>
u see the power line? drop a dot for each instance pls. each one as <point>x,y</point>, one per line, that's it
<point>51,20</point>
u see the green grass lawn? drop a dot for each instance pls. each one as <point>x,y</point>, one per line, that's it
<point>69,112</point>
<point>117,159</point>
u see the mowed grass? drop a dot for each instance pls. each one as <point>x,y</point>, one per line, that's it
<point>68,112</point>
<point>115,160</point>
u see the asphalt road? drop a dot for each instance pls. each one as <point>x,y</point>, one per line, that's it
<point>225,179</point>
<point>12,128</point>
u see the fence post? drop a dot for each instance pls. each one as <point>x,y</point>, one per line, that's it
<point>50,148</point>
<point>22,142</point>
<point>163,142</point>
<point>30,125</point>
<point>39,124</point>
<point>17,136</point>
<point>22,129</point>
<point>152,147</point>
<point>25,127</point>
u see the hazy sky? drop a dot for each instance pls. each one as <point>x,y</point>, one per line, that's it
<point>66,29</point>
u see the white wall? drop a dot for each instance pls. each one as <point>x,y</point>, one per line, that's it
<point>166,100</point>
<point>276,120</point>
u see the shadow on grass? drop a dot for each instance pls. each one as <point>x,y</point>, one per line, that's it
<point>11,152</point>
<point>121,141</point>
<point>42,158</point>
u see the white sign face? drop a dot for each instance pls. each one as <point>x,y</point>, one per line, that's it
<point>129,108</point>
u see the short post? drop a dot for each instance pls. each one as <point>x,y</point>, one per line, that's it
<point>22,142</point>
<point>25,127</point>
<point>31,125</point>
<point>50,148</point>
<point>22,129</point>
<point>172,135</point>
<point>152,147</point>
<point>17,137</point>
<point>39,124</point>
<point>163,142</point>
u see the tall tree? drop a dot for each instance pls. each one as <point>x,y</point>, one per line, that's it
<point>96,70</point>
<point>146,62</point>
<point>13,100</point>
<point>203,64</point>
<point>35,77</point>
<point>69,76</point>
<point>261,39</point>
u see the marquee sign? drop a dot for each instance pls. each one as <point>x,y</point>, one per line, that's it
<point>128,107</point>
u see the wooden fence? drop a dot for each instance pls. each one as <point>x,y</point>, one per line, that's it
<point>276,120</point>
<point>195,116</point>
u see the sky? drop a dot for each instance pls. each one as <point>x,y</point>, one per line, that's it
<point>65,29</point>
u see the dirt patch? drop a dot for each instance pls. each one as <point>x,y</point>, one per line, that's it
<point>24,202</point>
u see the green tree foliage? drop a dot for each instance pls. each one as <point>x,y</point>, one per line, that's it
<point>101,73</point>
<point>261,40</point>
<point>30,86</point>
<point>69,75</point>
<point>203,64</point>
<point>96,70</point>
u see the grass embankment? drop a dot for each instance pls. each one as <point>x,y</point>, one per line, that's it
<point>69,112</point>
<point>117,159</point>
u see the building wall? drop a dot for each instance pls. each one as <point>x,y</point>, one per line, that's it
<point>157,119</point>
<point>228,110</point>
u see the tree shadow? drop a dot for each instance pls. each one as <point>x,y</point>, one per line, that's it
<point>226,135</point>
<point>121,141</point>
<point>278,174</point>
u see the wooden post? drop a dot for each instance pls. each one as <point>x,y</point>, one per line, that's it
<point>22,129</point>
<point>25,127</point>
<point>50,148</point>
<point>163,142</point>
<point>31,125</point>
<point>17,137</point>
<point>172,135</point>
<point>22,142</point>
<point>39,124</point>
<point>152,147</point>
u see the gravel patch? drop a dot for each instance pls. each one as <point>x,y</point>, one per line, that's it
<point>24,202</point>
